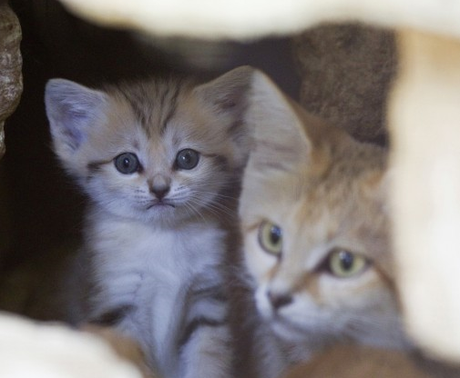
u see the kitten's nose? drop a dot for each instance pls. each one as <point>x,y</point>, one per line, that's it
<point>160,191</point>
<point>279,299</point>
<point>159,186</point>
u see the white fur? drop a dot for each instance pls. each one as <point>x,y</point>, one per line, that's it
<point>154,269</point>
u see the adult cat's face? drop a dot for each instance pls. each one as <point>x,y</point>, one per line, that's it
<point>154,150</point>
<point>316,230</point>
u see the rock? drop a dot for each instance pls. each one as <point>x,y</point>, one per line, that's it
<point>10,67</point>
<point>33,349</point>
<point>346,73</point>
<point>247,19</point>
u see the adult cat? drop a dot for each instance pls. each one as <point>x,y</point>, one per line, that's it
<point>316,235</point>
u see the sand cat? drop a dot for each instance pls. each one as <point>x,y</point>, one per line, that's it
<point>161,162</point>
<point>316,233</point>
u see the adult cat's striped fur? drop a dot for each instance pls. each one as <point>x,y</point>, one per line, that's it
<point>160,162</point>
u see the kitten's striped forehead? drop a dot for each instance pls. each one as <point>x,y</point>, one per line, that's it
<point>154,103</point>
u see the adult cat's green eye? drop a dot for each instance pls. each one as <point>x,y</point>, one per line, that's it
<point>345,264</point>
<point>187,159</point>
<point>127,163</point>
<point>271,238</point>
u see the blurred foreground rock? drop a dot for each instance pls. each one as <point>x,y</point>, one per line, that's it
<point>30,349</point>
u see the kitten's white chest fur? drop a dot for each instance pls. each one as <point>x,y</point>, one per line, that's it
<point>153,269</point>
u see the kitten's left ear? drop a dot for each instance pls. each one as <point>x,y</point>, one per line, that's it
<point>376,186</point>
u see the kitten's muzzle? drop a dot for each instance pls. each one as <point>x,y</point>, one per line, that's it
<point>159,186</point>
<point>161,203</point>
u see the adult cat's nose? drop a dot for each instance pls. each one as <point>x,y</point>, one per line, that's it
<point>279,299</point>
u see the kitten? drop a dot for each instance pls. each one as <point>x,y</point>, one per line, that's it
<point>316,233</point>
<point>161,163</point>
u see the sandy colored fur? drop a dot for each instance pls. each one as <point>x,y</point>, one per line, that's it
<point>327,192</point>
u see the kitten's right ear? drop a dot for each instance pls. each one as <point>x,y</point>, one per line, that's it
<point>71,109</point>
<point>226,97</point>
<point>280,141</point>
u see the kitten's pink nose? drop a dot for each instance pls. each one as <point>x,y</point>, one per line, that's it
<point>159,186</point>
<point>160,191</point>
<point>279,299</point>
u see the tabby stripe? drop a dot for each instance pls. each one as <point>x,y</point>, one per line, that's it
<point>213,293</point>
<point>220,160</point>
<point>203,301</point>
<point>112,317</point>
<point>94,166</point>
<point>172,109</point>
<point>141,105</point>
<point>195,324</point>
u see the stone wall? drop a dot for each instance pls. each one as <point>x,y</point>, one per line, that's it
<point>10,67</point>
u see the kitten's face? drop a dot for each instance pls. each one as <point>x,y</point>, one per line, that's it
<point>151,172</point>
<point>156,151</point>
<point>316,232</point>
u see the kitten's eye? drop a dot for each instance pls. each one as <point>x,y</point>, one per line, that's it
<point>127,163</point>
<point>271,238</point>
<point>187,159</point>
<point>344,264</point>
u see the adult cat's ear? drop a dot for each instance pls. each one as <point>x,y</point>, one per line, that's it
<point>280,142</point>
<point>377,185</point>
<point>71,109</point>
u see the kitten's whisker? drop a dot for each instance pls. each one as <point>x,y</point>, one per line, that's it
<point>223,208</point>
<point>190,207</point>
<point>217,195</point>
<point>212,207</point>
<point>196,197</point>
